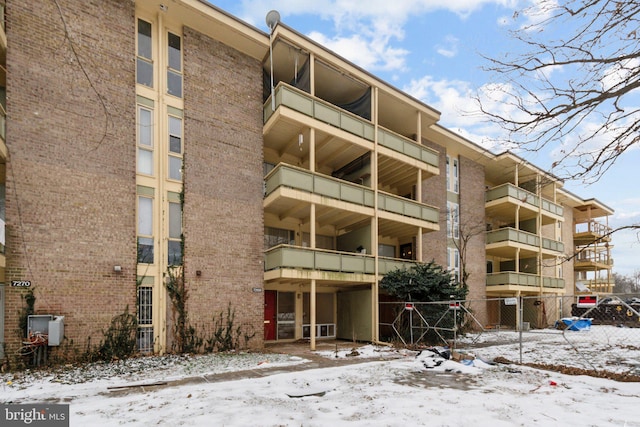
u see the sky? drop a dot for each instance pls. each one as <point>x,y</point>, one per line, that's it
<point>389,387</point>
<point>433,50</point>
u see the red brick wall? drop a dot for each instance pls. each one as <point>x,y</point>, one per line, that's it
<point>223,215</point>
<point>70,197</point>
<point>472,223</point>
<point>434,192</point>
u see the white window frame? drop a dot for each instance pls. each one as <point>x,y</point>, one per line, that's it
<point>453,261</point>
<point>141,233</point>
<point>174,154</point>
<point>142,58</point>
<point>453,220</point>
<point>148,148</point>
<point>173,71</point>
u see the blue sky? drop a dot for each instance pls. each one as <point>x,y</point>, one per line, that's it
<point>432,50</point>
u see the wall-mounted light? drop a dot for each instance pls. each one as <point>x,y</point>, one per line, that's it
<point>164,7</point>
<point>117,268</point>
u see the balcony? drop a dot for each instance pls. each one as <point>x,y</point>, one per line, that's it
<point>504,241</point>
<point>589,259</point>
<point>598,285</point>
<point>327,188</point>
<point>329,265</point>
<point>295,262</point>
<point>591,231</point>
<point>502,201</point>
<point>385,265</point>
<point>510,280</point>
<point>397,145</point>
<point>301,179</point>
<point>322,111</point>
<point>400,144</point>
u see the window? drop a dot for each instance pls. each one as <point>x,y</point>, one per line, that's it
<point>454,263</point>
<point>175,148</point>
<point>455,176</point>
<point>322,242</point>
<point>174,71</point>
<point>447,172</point>
<point>174,251</point>
<point>388,251</point>
<point>278,236</point>
<point>144,62</point>
<point>286,315</point>
<point>145,319</point>
<point>452,174</point>
<point>145,141</point>
<point>145,230</point>
<point>453,220</point>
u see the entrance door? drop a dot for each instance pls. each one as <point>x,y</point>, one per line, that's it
<point>270,298</point>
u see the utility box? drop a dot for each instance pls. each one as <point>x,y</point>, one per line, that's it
<point>38,323</point>
<point>56,330</point>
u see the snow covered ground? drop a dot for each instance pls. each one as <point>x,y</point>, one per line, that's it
<point>388,388</point>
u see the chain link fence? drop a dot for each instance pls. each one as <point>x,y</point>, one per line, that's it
<point>599,334</point>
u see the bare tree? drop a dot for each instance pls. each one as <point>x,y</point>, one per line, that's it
<point>573,86</point>
<point>470,224</point>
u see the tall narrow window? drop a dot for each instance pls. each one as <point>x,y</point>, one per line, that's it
<point>452,174</point>
<point>145,141</point>
<point>453,220</point>
<point>455,175</point>
<point>145,319</point>
<point>174,249</point>
<point>174,70</point>
<point>144,62</point>
<point>175,148</point>
<point>447,173</point>
<point>145,230</point>
<point>454,263</point>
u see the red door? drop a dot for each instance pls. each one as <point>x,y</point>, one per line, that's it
<point>270,315</point>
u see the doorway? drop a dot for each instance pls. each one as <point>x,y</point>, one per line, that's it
<point>270,300</point>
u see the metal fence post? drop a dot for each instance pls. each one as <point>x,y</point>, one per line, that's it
<point>520,321</point>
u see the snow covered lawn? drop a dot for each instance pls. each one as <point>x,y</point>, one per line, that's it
<point>388,388</point>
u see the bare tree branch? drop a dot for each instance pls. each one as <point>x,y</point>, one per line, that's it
<point>594,116</point>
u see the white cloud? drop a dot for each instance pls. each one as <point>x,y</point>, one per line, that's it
<point>364,52</point>
<point>450,47</point>
<point>619,73</point>
<point>366,33</point>
<point>455,100</point>
<point>536,15</point>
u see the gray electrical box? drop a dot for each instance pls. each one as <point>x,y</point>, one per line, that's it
<point>38,323</point>
<point>56,330</point>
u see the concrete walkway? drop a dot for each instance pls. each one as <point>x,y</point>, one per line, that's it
<point>300,349</point>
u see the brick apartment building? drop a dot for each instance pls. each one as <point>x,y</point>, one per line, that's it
<point>152,139</point>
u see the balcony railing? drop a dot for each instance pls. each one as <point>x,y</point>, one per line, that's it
<point>510,190</point>
<point>598,285</point>
<point>285,256</point>
<point>407,146</point>
<point>523,279</point>
<point>335,116</point>
<point>593,227</point>
<point>323,185</point>
<point>321,110</point>
<point>512,235</point>
<point>593,256</point>
<point>385,265</point>
<point>407,207</point>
